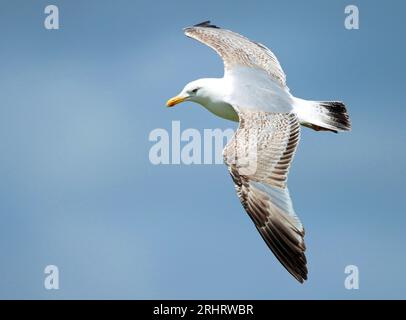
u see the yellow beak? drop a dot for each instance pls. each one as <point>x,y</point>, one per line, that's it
<point>175,100</point>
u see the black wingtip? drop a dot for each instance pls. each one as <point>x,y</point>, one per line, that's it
<point>206,24</point>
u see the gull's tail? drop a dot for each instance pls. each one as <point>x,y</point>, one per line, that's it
<point>323,115</point>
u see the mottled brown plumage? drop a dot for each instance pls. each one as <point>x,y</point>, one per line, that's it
<point>236,49</point>
<point>259,157</point>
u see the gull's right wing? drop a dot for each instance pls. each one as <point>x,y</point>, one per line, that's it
<point>258,158</point>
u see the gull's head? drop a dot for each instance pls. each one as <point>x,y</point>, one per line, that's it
<point>202,91</point>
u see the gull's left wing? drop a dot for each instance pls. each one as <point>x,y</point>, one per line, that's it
<point>258,158</point>
<point>237,50</point>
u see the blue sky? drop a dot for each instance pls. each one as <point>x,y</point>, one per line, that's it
<point>77,189</point>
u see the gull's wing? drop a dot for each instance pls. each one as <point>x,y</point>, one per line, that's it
<point>258,158</point>
<point>236,50</point>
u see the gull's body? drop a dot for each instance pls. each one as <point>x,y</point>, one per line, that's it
<point>253,91</point>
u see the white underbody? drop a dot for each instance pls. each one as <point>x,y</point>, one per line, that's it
<point>247,89</point>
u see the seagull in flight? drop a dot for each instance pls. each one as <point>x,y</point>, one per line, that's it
<point>253,92</point>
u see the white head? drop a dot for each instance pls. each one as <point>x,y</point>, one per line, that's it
<point>202,91</point>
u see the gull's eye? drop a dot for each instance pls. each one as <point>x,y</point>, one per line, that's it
<point>195,90</point>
